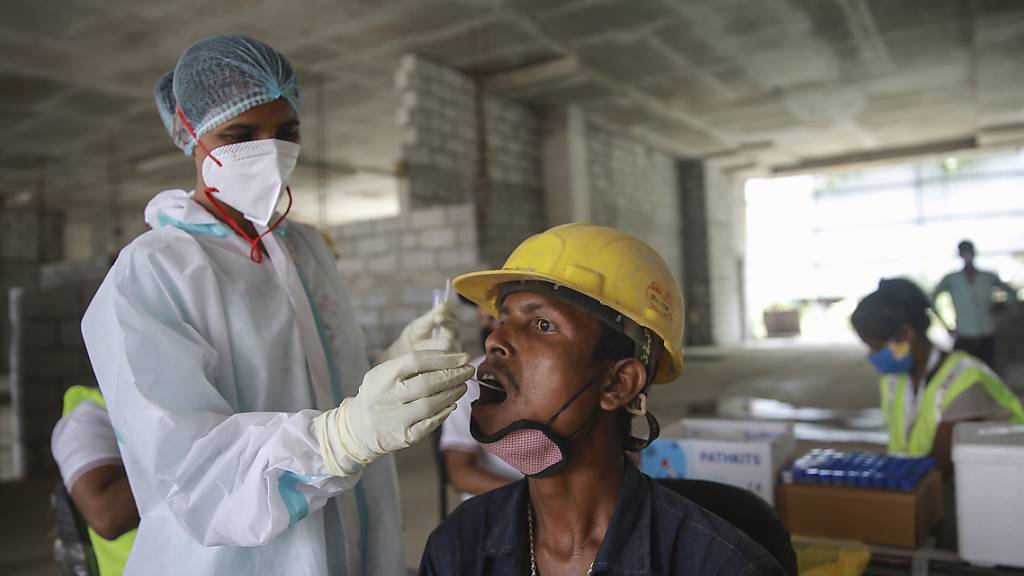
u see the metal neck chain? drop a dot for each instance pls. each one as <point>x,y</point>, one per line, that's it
<point>533,555</point>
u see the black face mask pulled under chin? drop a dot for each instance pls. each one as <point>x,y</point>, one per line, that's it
<point>532,448</point>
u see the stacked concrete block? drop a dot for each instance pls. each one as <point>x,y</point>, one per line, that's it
<point>31,235</point>
<point>437,114</point>
<point>514,147</point>
<point>391,267</point>
<point>440,115</point>
<point>513,193</point>
<point>21,236</point>
<point>12,274</point>
<point>473,191</point>
<point>28,237</point>
<point>47,356</point>
<point>634,187</point>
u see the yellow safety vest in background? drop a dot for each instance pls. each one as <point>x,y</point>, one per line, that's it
<point>959,372</point>
<point>111,555</point>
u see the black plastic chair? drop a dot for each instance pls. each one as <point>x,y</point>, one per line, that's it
<point>72,548</point>
<point>442,473</point>
<point>743,509</point>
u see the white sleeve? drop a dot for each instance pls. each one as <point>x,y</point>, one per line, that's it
<point>229,478</point>
<point>455,430</point>
<point>82,440</point>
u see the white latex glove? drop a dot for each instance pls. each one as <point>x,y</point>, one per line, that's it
<point>399,403</point>
<point>418,334</point>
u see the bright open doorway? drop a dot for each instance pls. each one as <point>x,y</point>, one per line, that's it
<point>818,243</point>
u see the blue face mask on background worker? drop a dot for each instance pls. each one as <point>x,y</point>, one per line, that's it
<point>893,359</point>
<point>255,438</point>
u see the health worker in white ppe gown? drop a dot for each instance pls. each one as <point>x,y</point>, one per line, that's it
<point>255,439</point>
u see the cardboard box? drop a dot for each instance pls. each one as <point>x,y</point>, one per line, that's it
<point>886,517</point>
<point>744,453</point>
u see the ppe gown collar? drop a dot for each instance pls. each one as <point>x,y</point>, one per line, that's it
<point>176,208</point>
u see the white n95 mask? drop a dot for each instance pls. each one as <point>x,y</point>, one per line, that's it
<point>250,176</point>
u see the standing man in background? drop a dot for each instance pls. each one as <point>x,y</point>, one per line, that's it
<point>971,290</point>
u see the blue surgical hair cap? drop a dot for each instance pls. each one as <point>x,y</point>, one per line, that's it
<point>218,78</point>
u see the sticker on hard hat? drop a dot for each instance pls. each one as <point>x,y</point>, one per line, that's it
<point>659,298</point>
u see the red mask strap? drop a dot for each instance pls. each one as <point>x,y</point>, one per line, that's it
<point>188,126</point>
<point>277,222</point>
<point>254,243</point>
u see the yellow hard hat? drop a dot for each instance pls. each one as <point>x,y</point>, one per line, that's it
<point>608,265</point>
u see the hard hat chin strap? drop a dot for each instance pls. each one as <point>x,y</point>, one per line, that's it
<point>637,408</point>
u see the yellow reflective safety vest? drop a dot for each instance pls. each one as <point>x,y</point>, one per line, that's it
<point>111,555</point>
<point>957,374</point>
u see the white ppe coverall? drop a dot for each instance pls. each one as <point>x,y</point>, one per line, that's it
<point>198,354</point>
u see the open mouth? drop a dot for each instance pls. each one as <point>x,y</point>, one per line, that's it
<point>492,388</point>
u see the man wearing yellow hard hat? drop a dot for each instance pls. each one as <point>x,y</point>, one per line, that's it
<point>588,317</point>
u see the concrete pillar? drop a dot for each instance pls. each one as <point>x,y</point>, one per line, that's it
<point>696,259</point>
<point>726,225</point>
<point>714,252</point>
<point>566,189</point>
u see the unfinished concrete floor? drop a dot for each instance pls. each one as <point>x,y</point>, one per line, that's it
<point>716,380</point>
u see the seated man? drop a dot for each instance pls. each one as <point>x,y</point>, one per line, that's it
<point>588,316</point>
<point>470,469</point>
<point>85,449</point>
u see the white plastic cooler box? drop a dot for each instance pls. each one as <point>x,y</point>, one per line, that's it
<point>746,453</point>
<point>989,460</point>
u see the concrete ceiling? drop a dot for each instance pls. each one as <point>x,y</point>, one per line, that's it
<point>782,83</point>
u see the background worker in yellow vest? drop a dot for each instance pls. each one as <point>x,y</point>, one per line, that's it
<point>85,449</point>
<point>924,389</point>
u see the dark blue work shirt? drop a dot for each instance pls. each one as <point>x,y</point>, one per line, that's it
<point>652,531</point>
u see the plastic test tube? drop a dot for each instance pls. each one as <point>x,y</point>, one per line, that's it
<point>440,297</point>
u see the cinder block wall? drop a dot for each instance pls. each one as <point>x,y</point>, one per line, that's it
<point>47,356</point>
<point>28,237</point>
<point>438,117</point>
<point>635,188</point>
<point>392,266</point>
<point>13,273</point>
<point>513,193</point>
<point>454,218</point>
<point>451,132</point>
